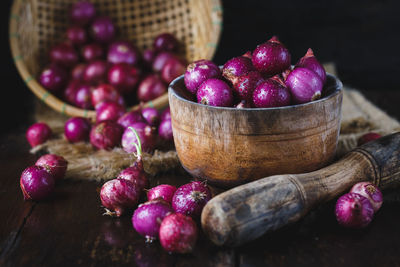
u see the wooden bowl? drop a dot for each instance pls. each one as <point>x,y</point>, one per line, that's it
<point>36,25</point>
<point>229,146</point>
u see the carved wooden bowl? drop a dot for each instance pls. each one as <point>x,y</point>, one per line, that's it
<point>229,146</point>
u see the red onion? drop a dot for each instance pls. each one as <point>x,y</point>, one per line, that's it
<point>77,129</point>
<point>109,111</point>
<point>173,68</point>
<point>151,116</point>
<point>136,175</point>
<point>162,59</point>
<point>147,138</point>
<point>271,93</point>
<point>106,92</point>
<point>164,191</point>
<point>178,233</point>
<point>236,67</point>
<point>54,164</point>
<point>91,52</point>
<point>82,13</point>
<point>189,199</point>
<point>150,88</point>
<point>304,84</point>
<point>122,52</point>
<point>309,61</point>
<point>165,42</point>
<point>165,131</point>
<point>368,137</point>
<point>78,71</point>
<point>130,118</point>
<point>96,72</point>
<point>83,95</point>
<point>36,183</point>
<point>70,91</point>
<point>148,57</point>
<point>118,195</point>
<point>38,133</point>
<point>64,55</point>
<point>371,192</point>
<point>215,92</point>
<point>102,29</point>
<point>148,216</point>
<point>124,77</point>
<point>53,78</point>
<point>199,71</point>
<point>77,35</point>
<point>246,84</point>
<point>166,114</point>
<point>106,135</point>
<point>271,57</point>
<point>354,211</point>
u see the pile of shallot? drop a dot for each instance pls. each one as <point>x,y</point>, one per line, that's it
<point>356,209</point>
<point>111,129</point>
<point>170,214</point>
<point>263,78</point>
<point>92,65</point>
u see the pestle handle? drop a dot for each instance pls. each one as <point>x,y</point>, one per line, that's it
<point>248,211</point>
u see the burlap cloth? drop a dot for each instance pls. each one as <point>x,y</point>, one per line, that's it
<point>359,116</point>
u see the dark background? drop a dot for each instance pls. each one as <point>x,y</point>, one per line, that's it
<point>361,37</point>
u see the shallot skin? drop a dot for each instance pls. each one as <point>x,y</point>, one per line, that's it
<point>54,164</point>
<point>148,216</point>
<point>237,67</point>
<point>130,118</point>
<point>106,135</point>
<point>189,199</point>
<point>271,94</point>
<point>178,233</point>
<point>271,57</point>
<point>215,92</point>
<point>371,192</point>
<point>109,111</point>
<point>146,134</point>
<point>305,85</point>
<point>309,61</point>
<point>36,183</point>
<point>164,191</point>
<point>165,131</point>
<point>118,195</point>
<point>77,129</point>
<point>38,133</point>
<point>354,211</point>
<point>199,71</point>
<point>246,84</point>
<point>136,175</point>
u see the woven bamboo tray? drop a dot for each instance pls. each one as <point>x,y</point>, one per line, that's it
<point>35,25</point>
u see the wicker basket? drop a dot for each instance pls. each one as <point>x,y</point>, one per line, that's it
<point>35,25</point>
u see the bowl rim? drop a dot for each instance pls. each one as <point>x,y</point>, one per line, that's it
<point>338,89</point>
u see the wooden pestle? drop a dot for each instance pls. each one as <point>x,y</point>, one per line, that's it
<point>248,211</point>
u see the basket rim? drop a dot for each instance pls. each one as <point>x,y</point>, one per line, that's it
<point>64,107</point>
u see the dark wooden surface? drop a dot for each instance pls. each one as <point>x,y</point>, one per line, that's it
<point>69,228</point>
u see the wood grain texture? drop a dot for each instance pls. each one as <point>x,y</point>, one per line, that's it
<point>248,211</point>
<point>228,146</point>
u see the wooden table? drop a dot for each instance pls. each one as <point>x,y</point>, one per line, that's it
<point>69,228</point>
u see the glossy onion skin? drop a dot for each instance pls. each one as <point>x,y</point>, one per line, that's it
<point>178,233</point>
<point>36,183</point>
